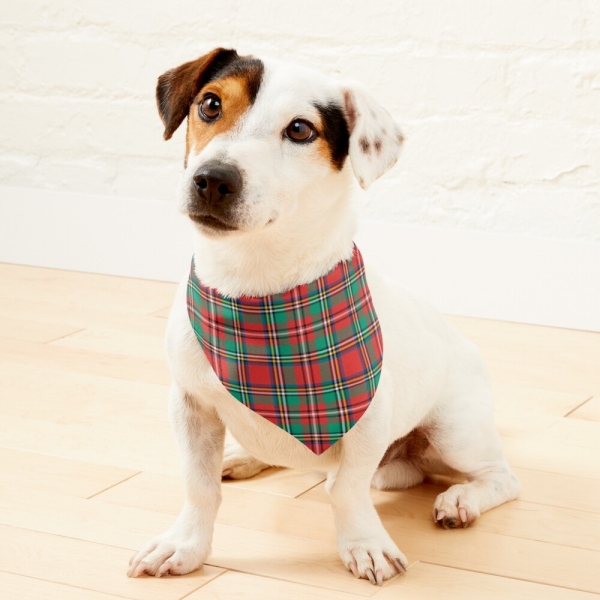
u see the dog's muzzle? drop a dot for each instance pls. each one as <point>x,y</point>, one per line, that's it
<point>216,187</point>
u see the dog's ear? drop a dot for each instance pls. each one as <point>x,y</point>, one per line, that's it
<point>177,88</point>
<point>375,138</point>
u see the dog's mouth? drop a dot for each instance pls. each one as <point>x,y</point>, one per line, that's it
<point>212,222</point>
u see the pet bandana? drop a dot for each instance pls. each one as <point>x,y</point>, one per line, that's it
<point>307,360</point>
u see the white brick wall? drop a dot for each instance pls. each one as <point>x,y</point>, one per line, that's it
<point>500,99</point>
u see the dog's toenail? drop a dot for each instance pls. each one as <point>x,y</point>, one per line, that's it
<point>463,514</point>
<point>399,566</point>
<point>440,515</point>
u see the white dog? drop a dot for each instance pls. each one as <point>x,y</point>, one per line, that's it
<point>266,187</point>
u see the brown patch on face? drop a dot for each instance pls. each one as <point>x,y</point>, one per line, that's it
<point>377,145</point>
<point>365,145</point>
<point>236,99</point>
<point>411,447</point>
<point>177,88</point>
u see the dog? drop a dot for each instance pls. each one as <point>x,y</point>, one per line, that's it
<point>271,149</point>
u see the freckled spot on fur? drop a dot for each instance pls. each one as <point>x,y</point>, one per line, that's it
<point>377,145</point>
<point>365,146</point>
<point>400,138</point>
<point>361,181</point>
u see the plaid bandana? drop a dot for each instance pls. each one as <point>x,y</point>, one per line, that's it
<point>307,360</point>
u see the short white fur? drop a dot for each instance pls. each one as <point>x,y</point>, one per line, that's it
<point>296,223</point>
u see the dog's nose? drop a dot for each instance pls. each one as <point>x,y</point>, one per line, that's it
<point>216,181</point>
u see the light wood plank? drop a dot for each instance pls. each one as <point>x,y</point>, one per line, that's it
<point>529,520</point>
<point>281,556</point>
<point>110,340</point>
<point>496,554</point>
<point>79,316</point>
<point>524,411</point>
<point>426,581</point>
<point>311,561</point>
<point>106,420</point>
<point>95,418</point>
<point>590,411</point>
<point>99,395</point>
<point>162,493</point>
<point>33,331</point>
<point>80,361</point>
<point>49,473</point>
<point>573,432</point>
<point>18,587</point>
<point>250,587</point>
<point>552,457</point>
<point>556,359</point>
<point>399,510</point>
<point>78,398</point>
<point>282,482</point>
<point>481,548</point>
<point>122,444</point>
<point>564,526</point>
<point>520,519</point>
<point>90,566</point>
<point>72,288</point>
<point>555,489</point>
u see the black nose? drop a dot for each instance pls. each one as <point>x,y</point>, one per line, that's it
<point>216,182</point>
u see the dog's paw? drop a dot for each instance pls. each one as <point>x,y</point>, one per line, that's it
<point>372,559</point>
<point>456,507</point>
<point>238,464</point>
<point>170,554</point>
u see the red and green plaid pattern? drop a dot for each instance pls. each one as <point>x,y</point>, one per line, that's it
<point>308,360</point>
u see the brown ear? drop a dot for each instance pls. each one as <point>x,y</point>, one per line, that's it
<point>177,88</point>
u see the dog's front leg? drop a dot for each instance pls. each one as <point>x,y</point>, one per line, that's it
<point>184,547</point>
<point>365,546</point>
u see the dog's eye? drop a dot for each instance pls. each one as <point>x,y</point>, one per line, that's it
<point>210,108</point>
<point>299,130</point>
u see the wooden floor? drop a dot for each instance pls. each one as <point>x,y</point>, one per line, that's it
<point>89,470</point>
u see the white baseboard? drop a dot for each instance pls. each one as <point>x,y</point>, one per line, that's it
<point>530,280</point>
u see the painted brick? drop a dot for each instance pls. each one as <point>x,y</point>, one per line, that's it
<point>498,99</point>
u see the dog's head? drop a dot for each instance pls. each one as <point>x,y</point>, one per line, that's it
<point>265,139</point>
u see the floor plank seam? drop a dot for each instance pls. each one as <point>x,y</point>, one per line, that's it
<point>70,537</point>
<point>559,506</point>
<point>113,485</point>
<point>205,584</point>
<point>76,587</point>
<point>593,478</point>
<point>62,337</point>
<point>312,487</point>
<point>488,573</point>
<point>578,406</point>
<point>312,585</point>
